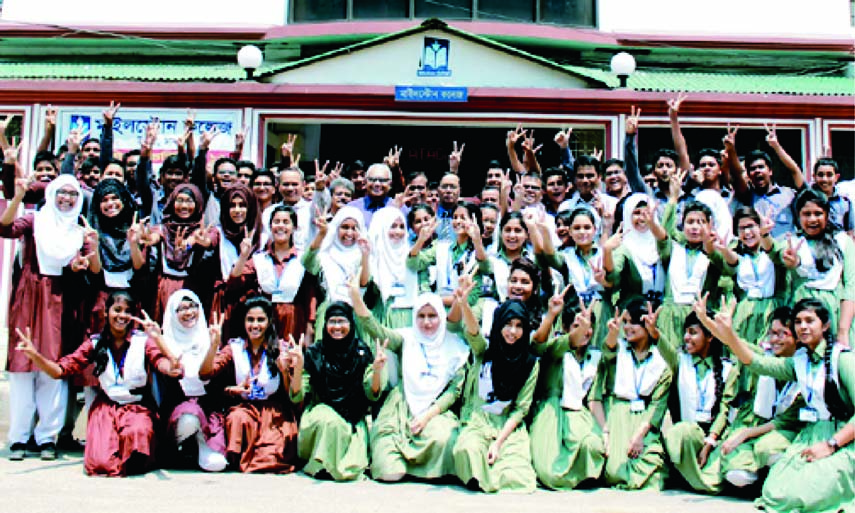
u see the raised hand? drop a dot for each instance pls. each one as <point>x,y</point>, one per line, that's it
<point>90,235</point>
<point>393,159</point>
<point>767,224</point>
<point>240,138</point>
<point>288,146</point>
<point>208,137</point>
<point>562,138</point>
<point>675,183</point>
<point>295,352</point>
<point>110,112</point>
<point>336,172</point>
<point>472,229</point>
<point>246,244</point>
<point>427,230</point>
<point>599,275</point>
<point>190,120</point>
<point>380,356</point>
<point>650,319</point>
<point>724,317</point>
<point>515,135</point>
<point>597,154</point>
<point>729,139</point>
<point>80,262</point>
<point>22,185</point>
<point>674,103</point>
<point>771,135</point>
<point>632,120</point>
<point>148,325</point>
<point>465,284</point>
<point>614,242</point>
<point>73,141</point>
<point>320,221</point>
<point>364,245</point>
<point>455,157</point>
<point>320,175</point>
<point>528,143</point>
<point>201,236</point>
<point>556,302</point>
<point>12,154</point>
<point>790,255</point>
<point>215,327</point>
<point>615,324</point>
<point>50,118</point>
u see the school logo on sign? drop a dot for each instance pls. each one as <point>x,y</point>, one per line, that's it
<point>434,60</point>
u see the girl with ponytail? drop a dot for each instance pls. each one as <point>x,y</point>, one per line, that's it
<point>822,263</point>
<point>706,383</point>
<point>815,473</point>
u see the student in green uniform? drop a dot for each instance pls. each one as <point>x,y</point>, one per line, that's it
<point>629,401</point>
<point>706,385</point>
<point>815,474</point>
<point>762,429</point>
<point>631,256</point>
<point>493,451</point>
<point>823,263</point>
<point>567,445</point>
<point>760,280</point>
<point>415,430</point>
<point>693,264</point>
<point>583,264</point>
<point>453,259</point>
<point>338,377</point>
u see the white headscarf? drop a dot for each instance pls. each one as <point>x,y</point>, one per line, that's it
<point>337,260</point>
<point>642,246</point>
<point>58,237</point>
<point>722,218</point>
<point>191,344</point>
<point>429,362</point>
<point>388,260</point>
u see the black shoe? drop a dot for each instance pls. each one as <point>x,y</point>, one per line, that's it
<point>47,451</point>
<point>69,444</point>
<point>17,452</point>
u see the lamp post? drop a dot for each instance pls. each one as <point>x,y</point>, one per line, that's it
<point>623,65</point>
<point>250,58</point>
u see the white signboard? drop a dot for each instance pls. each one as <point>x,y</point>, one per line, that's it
<point>129,127</point>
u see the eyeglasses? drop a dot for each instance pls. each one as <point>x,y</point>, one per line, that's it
<point>227,172</point>
<point>262,184</point>
<point>374,179</point>
<point>417,187</point>
<point>187,308</point>
<point>67,194</point>
<point>532,187</point>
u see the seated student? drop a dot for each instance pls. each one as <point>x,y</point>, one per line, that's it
<point>338,378</point>
<point>416,428</point>
<point>120,436</point>
<point>629,401</point>
<point>706,385</point>
<point>767,420</point>
<point>261,425</point>
<point>493,449</point>
<point>193,417</point>
<point>567,446</point>
<point>815,473</point>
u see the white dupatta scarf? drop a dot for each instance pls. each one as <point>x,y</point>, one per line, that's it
<point>57,235</point>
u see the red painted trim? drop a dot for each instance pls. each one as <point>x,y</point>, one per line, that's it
<point>205,32</point>
<point>370,98</point>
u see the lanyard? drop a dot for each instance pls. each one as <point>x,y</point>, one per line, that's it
<point>701,390</point>
<point>252,375</point>
<point>117,368</point>
<point>691,259</point>
<point>639,378</point>
<point>587,273</point>
<point>810,377</point>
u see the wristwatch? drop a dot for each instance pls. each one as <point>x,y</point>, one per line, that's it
<point>833,444</point>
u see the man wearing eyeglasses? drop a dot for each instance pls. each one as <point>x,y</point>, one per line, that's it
<point>378,184</point>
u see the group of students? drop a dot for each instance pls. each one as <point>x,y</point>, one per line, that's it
<point>266,322</point>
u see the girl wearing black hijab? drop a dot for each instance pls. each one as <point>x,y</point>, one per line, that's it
<point>493,452</point>
<point>338,377</point>
<point>111,214</point>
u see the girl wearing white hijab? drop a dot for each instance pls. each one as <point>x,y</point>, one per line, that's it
<point>192,416</point>
<point>634,266</point>
<point>397,285</point>
<point>414,433</point>
<point>52,241</point>
<point>339,251</point>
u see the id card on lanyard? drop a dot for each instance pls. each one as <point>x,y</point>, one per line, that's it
<point>809,414</point>
<point>256,390</point>
<point>701,414</point>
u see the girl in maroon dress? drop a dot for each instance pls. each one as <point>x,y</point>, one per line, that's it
<point>239,219</point>
<point>262,425</point>
<point>194,419</point>
<point>120,432</point>
<point>53,243</point>
<point>183,241</point>
<point>278,274</point>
